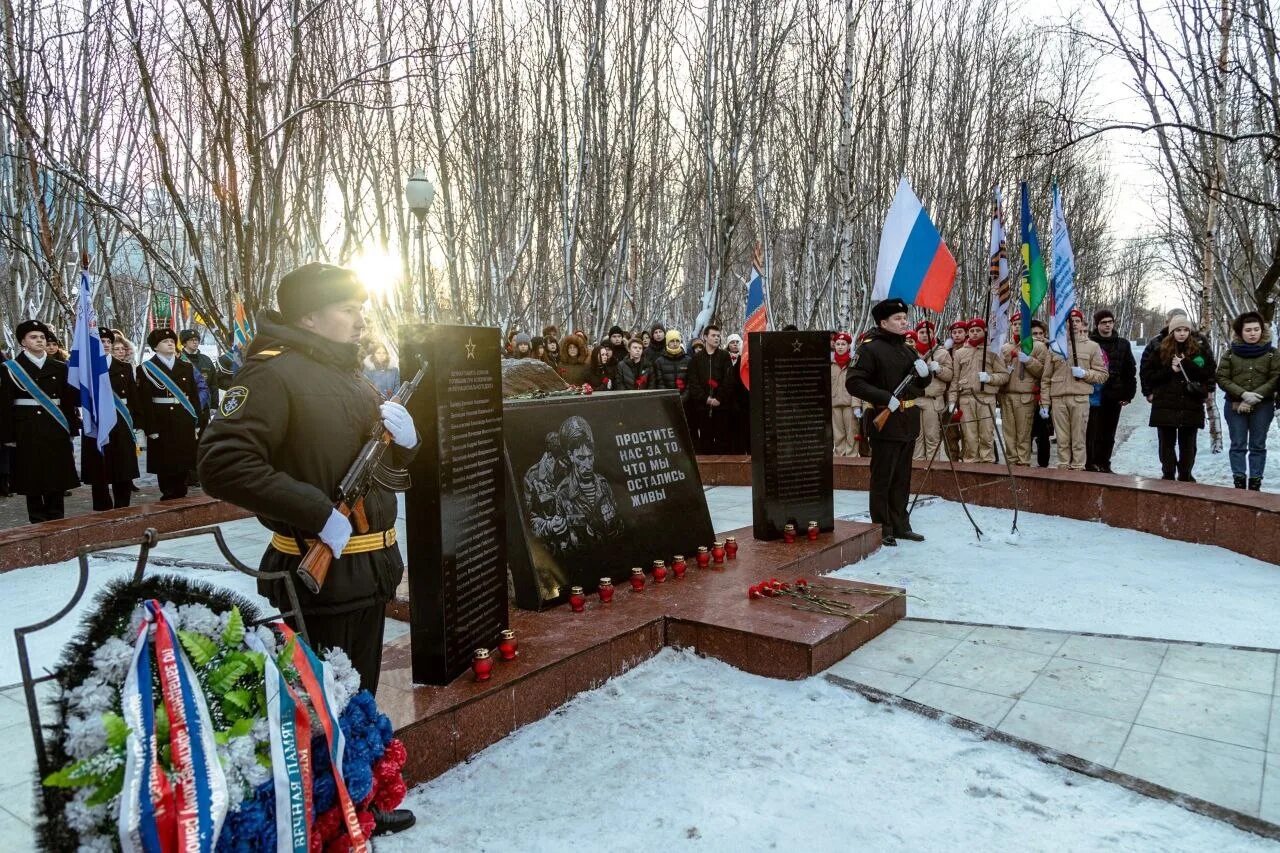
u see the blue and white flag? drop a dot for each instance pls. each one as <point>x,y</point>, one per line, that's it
<point>1062,290</point>
<point>88,369</point>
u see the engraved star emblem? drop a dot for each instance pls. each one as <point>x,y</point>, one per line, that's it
<point>471,349</point>
<point>796,346</point>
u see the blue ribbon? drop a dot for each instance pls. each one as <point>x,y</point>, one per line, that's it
<point>22,378</point>
<point>166,380</point>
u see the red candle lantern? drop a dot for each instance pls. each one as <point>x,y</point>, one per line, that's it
<point>731,547</point>
<point>577,600</point>
<point>509,647</point>
<point>717,552</point>
<point>606,590</point>
<point>659,571</point>
<point>704,557</point>
<point>637,579</point>
<point>482,665</point>
<point>812,532</point>
<point>678,566</point>
<point>789,534</point>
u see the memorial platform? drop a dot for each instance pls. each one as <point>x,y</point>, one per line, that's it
<point>564,653</point>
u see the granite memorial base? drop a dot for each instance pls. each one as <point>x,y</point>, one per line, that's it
<point>564,653</point>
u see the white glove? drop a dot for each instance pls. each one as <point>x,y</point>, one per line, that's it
<point>894,404</point>
<point>336,533</point>
<point>153,435</point>
<point>1044,412</point>
<point>857,412</point>
<point>951,408</point>
<point>1251,397</point>
<point>396,419</point>
<point>1077,372</point>
<point>922,369</point>
<point>948,343</point>
<point>934,367</point>
<point>984,377</point>
<point>1023,357</point>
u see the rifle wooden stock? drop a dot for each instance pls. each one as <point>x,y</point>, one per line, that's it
<point>314,568</point>
<point>881,419</point>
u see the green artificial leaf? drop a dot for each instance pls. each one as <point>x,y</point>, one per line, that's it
<point>264,760</point>
<point>199,648</point>
<point>240,700</point>
<point>117,729</point>
<point>258,660</point>
<point>75,775</point>
<point>110,787</point>
<point>234,634</point>
<point>285,658</point>
<point>224,678</point>
<point>242,727</point>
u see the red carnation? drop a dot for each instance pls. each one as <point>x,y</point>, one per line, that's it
<point>396,753</point>
<point>328,825</point>
<point>642,382</point>
<point>586,389</point>
<point>679,384</point>
<point>390,796</point>
<point>712,384</point>
<point>753,591</point>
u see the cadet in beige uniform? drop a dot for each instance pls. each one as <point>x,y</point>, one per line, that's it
<point>1066,389</point>
<point>845,408</point>
<point>1019,398</point>
<point>933,402</point>
<point>973,389</point>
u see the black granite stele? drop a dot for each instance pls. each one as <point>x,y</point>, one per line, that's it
<point>791,433</point>
<point>454,512</point>
<point>596,485</point>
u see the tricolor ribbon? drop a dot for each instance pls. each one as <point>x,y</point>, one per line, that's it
<point>157,814</point>
<point>290,757</point>
<point>318,683</point>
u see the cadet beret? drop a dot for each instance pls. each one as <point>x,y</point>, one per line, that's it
<point>1075,312</point>
<point>959,324</point>
<point>887,308</point>
<point>187,334</point>
<point>925,324</point>
<point>104,332</point>
<point>158,335</point>
<point>842,336</point>
<point>978,323</point>
<point>26,327</point>
<point>313,286</point>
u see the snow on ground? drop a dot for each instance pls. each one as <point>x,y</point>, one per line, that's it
<point>43,590</point>
<point>684,752</point>
<point>1072,575</point>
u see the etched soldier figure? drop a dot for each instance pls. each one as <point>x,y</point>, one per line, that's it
<point>584,498</point>
<point>110,472</point>
<point>39,414</point>
<point>170,413</point>
<point>540,484</point>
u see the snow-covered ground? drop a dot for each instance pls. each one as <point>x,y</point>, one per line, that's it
<point>688,753</point>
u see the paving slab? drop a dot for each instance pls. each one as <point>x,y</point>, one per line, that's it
<point>1221,773</point>
<point>889,682</point>
<point>1271,792</point>
<point>903,652</point>
<point>1140,655</point>
<point>1091,688</point>
<point>985,708</point>
<point>1093,738</point>
<point>1019,639</point>
<point>952,630</point>
<point>15,834</point>
<point>1207,711</point>
<point>993,669</point>
<point>1225,667</point>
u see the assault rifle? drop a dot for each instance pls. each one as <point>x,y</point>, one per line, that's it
<point>360,478</point>
<point>880,419</point>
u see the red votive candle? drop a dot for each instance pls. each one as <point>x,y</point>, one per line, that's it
<point>637,579</point>
<point>606,590</point>
<point>577,600</point>
<point>509,647</point>
<point>704,557</point>
<point>789,534</point>
<point>482,665</point>
<point>812,532</point>
<point>731,547</point>
<point>659,571</point>
<point>717,552</point>
<point>679,566</point>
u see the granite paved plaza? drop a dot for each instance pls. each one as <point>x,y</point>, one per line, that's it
<point>1200,719</point>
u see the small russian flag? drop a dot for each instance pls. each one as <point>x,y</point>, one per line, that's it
<point>914,264</point>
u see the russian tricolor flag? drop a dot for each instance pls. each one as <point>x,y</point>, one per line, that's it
<point>914,264</point>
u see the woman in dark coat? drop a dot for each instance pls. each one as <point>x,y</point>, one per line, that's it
<point>169,421</point>
<point>575,367</point>
<point>44,462</point>
<point>110,473</point>
<point>1176,378</point>
<point>604,375</point>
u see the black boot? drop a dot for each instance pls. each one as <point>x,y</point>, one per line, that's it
<point>1237,480</point>
<point>910,536</point>
<point>1255,484</point>
<point>389,823</point>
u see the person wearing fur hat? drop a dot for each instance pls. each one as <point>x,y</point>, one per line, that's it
<point>846,410</point>
<point>933,402</point>
<point>575,360</point>
<point>1248,374</point>
<point>1019,398</point>
<point>1113,396</point>
<point>979,374</point>
<point>671,369</point>
<point>169,413</point>
<point>521,345</point>
<point>877,369</point>
<point>1066,387</point>
<point>39,415</point>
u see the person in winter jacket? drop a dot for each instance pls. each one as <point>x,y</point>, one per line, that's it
<point>978,374</point>
<point>1021,395</point>
<point>109,472</point>
<point>1248,374</point>
<point>1176,379</point>
<point>933,402</point>
<point>1116,393</point>
<point>671,369</point>
<point>657,342</point>
<point>575,359</point>
<point>1065,389</point>
<point>846,410</point>
<point>617,344</point>
<point>740,428</point>
<point>711,380</point>
<point>603,375</point>
<point>953,436</point>
<point>382,372</point>
<point>634,373</point>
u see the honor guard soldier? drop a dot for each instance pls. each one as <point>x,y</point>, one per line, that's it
<point>39,414</point>
<point>889,374</point>
<point>170,413</point>
<point>284,437</point>
<point>110,472</point>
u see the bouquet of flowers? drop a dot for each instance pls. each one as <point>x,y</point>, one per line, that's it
<point>177,720</point>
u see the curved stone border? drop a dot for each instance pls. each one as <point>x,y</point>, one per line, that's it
<point>1247,523</point>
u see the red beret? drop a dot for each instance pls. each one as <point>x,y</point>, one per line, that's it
<point>1075,312</point>
<point>978,323</point>
<point>926,324</point>
<point>1016,316</point>
<point>842,336</point>
<point>910,334</point>
<point>959,324</point>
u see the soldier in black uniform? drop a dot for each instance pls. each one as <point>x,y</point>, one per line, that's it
<point>110,472</point>
<point>39,414</point>
<point>284,437</point>
<point>170,413</point>
<point>878,367</point>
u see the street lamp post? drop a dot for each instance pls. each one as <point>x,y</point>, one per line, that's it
<point>419,193</point>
